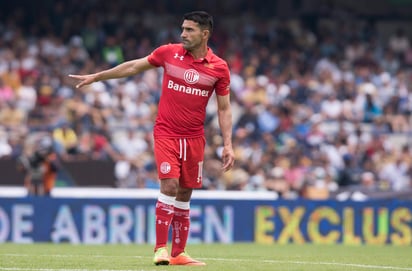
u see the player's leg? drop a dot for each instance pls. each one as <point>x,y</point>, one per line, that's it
<point>168,170</point>
<point>164,215</point>
<point>191,177</point>
<point>181,227</point>
<point>181,221</point>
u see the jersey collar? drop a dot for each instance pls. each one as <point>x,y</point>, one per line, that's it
<point>207,58</point>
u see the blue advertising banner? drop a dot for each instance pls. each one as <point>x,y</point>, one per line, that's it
<point>99,221</point>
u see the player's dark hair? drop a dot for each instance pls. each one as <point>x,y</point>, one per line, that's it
<point>204,19</point>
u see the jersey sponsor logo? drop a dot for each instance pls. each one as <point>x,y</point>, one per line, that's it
<point>165,167</point>
<point>186,89</point>
<point>191,76</point>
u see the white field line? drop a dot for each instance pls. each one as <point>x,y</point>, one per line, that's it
<point>59,269</point>
<point>364,266</point>
<point>68,255</point>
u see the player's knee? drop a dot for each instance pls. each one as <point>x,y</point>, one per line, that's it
<point>169,187</point>
<point>184,194</point>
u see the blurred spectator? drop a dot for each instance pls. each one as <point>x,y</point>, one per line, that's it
<point>368,180</point>
<point>331,108</point>
<point>247,126</point>
<point>316,186</point>
<point>316,136</point>
<point>399,42</point>
<point>26,95</point>
<point>77,52</point>
<point>130,144</point>
<point>395,172</point>
<point>6,92</point>
<point>5,147</point>
<point>371,109</point>
<point>349,174</point>
<point>101,147</point>
<point>126,174</point>
<point>112,52</point>
<point>66,140</point>
<point>40,165</point>
<point>390,62</point>
<point>13,118</point>
<point>275,181</point>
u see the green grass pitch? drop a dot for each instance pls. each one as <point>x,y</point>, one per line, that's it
<point>219,257</point>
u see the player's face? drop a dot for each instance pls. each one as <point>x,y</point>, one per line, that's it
<point>192,35</point>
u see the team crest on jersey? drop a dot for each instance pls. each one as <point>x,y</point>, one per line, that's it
<point>165,167</point>
<point>191,76</point>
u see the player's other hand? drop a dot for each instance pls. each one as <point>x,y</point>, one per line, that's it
<point>84,79</point>
<point>228,158</point>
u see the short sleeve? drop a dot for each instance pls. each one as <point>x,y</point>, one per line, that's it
<point>156,58</point>
<point>222,86</point>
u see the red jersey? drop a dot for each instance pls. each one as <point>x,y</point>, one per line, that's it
<point>187,86</point>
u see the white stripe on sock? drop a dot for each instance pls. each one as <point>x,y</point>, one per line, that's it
<point>166,199</point>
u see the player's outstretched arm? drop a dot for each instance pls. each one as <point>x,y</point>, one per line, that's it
<point>125,69</point>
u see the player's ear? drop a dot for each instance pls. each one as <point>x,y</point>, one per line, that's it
<point>206,33</point>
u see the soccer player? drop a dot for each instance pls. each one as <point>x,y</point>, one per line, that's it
<point>192,72</point>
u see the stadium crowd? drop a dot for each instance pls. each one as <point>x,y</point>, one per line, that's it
<point>317,108</point>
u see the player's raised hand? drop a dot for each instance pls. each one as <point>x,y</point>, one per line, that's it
<point>84,79</point>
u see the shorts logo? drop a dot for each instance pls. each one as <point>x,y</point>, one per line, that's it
<point>165,167</point>
<point>191,76</point>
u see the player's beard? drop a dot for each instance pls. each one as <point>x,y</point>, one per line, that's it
<point>191,45</point>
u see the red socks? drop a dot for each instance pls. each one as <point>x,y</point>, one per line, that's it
<point>174,213</point>
<point>164,216</point>
<point>180,226</point>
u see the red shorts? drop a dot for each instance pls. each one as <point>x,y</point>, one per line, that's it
<point>180,158</point>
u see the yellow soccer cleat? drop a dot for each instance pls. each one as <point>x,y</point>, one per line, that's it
<point>161,257</point>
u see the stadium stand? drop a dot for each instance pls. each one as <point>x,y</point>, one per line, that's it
<point>321,90</point>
